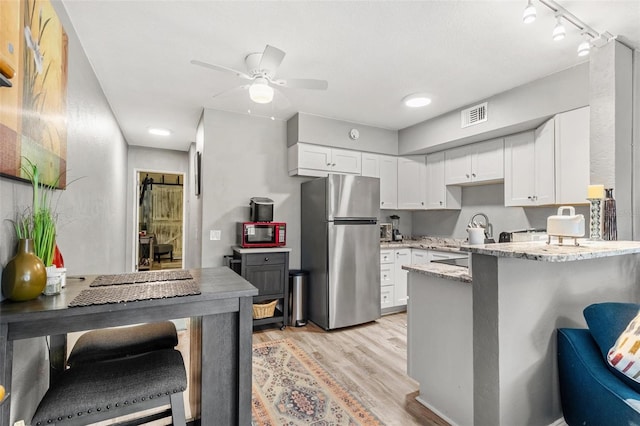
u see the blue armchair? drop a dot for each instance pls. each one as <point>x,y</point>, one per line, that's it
<point>591,393</point>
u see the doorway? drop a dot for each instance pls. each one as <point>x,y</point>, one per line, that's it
<point>160,220</point>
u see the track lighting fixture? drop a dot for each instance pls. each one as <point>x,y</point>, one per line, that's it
<point>529,14</point>
<point>559,32</point>
<point>584,48</point>
<point>592,37</point>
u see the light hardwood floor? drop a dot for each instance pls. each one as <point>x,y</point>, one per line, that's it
<point>370,360</point>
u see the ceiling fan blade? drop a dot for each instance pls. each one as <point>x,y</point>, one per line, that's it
<point>303,83</point>
<point>231,91</point>
<point>271,59</point>
<point>221,68</point>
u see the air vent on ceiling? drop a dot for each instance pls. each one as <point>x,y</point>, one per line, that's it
<point>474,115</point>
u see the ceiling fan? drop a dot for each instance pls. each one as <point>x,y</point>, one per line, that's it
<point>261,70</point>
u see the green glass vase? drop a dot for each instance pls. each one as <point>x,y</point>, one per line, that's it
<point>25,276</point>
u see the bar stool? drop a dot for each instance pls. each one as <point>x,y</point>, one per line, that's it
<point>102,390</point>
<point>111,343</point>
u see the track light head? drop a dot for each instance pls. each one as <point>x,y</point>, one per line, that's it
<point>559,32</point>
<point>584,48</point>
<point>529,14</point>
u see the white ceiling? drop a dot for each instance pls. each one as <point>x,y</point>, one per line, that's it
<point>373,53</point>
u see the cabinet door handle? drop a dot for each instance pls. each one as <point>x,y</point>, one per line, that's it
<point>530,197</point>
<point>328,164</point>
<point>422,202</point>
<point>381,202</point>
<point>333,164</point>
<point>266,259</point>
<point>473,174</point>
<point>467,175</point>
<point>441,203</point>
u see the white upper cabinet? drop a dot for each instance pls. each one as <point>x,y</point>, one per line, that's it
<point>572,156</point>
<point>529,167</point>
<point>481,162</point>
<point>316,160</point>
<point>551,164</point>
<point>519,169</point>
<point>439,196</point>
<point>412,183</point>
<point>384,167</point>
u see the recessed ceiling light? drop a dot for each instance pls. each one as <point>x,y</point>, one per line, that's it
<point>159,132</point>
<point>416,100</point>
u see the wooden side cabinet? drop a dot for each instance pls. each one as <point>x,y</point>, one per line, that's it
<point>268,271</point>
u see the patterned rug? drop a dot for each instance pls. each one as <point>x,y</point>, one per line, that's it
<point>290,388</point>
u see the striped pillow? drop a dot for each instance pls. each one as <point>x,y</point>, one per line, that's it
<point>624,356</point>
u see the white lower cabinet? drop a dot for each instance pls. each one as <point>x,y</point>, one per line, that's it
<point>386,296</point>
<point>403,257</point>
<point>419,256</point>
<point>393,279</point>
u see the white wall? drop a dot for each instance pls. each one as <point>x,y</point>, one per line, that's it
<point>91,232</point>
<point>315,129</point>
<point>518,109</point>
<point>155,160</point>
<point>244,157</point>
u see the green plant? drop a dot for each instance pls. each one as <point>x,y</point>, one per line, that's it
<point>39,221</point>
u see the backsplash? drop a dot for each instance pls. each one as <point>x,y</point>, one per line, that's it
<point>487,199</point>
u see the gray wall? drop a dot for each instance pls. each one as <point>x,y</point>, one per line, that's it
<point>91,232</point>
<point>310,128</point>
<point>153,160</point>
<point>521,108</point>
<point>243,157</point>
<point>488,199</point>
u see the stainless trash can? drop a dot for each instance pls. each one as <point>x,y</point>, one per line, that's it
<point>298,281</point>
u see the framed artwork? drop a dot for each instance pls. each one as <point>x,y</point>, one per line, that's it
<point>197,164</point>
<point>33,117</point>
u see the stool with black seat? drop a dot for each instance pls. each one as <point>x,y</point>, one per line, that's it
<point>110,343</point>
<point>92,392</point>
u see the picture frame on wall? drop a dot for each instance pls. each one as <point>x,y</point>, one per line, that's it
<point>33,122</point>
<point>197,161</point>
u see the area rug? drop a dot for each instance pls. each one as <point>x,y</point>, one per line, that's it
<point>291,388</point>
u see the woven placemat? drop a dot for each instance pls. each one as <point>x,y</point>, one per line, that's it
<point>141,277</point>
<point>134,292</point>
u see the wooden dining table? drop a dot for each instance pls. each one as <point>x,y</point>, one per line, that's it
<point>220,336</point>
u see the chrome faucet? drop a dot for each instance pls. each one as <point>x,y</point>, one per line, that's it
<point>488,227</point>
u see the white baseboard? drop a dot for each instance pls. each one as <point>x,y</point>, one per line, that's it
<point>436,411</point>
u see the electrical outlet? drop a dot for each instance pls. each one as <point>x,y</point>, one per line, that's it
<point>215,234</point>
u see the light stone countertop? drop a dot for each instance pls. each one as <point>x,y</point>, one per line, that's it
<point>427,243</point>
<point>441,270</point>
<point>541,251</point>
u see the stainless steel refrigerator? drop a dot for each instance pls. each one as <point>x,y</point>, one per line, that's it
<point>341,249</point>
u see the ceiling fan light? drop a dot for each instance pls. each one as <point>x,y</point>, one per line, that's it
<point>416,100</point>
<point>584,48</point>
<point>260,92</point>
<point>559,32</point>
<point>529,14</point>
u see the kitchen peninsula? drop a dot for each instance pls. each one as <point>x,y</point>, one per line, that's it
<point>493,333</point>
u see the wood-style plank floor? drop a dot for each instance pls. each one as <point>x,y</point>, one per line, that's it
<point>369,360</point>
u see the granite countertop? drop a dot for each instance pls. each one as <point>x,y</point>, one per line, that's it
<point>427,243</point>
<point>541,251</point>
<point>441,270</point>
